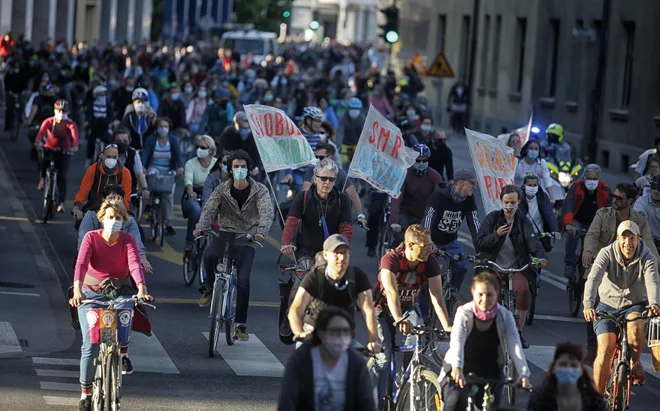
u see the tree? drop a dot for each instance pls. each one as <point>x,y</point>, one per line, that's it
<point>266,15</point>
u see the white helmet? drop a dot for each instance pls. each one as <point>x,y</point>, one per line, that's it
<point>99,89</point>
<point>140,94</point>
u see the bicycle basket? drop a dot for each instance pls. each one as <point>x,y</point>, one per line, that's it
<point>160,183</point>
<point>653,339</point>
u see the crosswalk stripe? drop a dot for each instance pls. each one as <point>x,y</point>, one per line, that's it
<point>59,386</point>
<point>64,401</point>
<point>577,320</point>
<point>250,358</point>
<point>55,361</point>
<point>148,355</point>
<point>57,373</point>
<point>8,341</point>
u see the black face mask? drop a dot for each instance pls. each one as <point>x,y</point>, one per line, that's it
<point>122,148</point>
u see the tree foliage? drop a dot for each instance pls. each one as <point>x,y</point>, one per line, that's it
<point>266,15</point>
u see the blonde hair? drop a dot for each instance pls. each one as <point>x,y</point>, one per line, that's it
<point>118,206</point>
<point>209,142</point>
<point>416,233</point>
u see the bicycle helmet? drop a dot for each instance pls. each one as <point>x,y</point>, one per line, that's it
<point>221,93</point>
<point>61,105</point>
<point>655,181</point>
<point>556,130</point>
<point>423,150</point>
<point>140,94</point>
<point>99,90</point>
<point>354,103</point>
<point>314,113</point>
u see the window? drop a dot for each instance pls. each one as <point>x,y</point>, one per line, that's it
<point>465,47</point>
<point>554,51</point>
<point>521,38</point>
<point>573,90</point>
<point>484,52</point>
<point>629,36</point>
<point>495,63</point>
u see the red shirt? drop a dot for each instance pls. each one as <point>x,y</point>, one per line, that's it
<point>101,260</point>
<point>58,136</point>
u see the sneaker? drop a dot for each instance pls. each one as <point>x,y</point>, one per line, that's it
<point>523,342</point>
<point>371,252</point>
<point>242,332</point>
<point>205,301</point>
<point>60,208</point>
<point>638,374</point>
<point>169,230</point>
<point>85,404</point>
<point>126,366</point>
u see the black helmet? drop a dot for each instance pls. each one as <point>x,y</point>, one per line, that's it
<point>655,181</point>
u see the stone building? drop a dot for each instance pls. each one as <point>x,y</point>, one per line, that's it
<point>344,20</point>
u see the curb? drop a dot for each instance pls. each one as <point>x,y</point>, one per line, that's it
<point>46,273</point>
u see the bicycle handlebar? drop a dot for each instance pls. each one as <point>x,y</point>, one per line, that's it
<point>456,257</point>
<point>119,300</point>
<point>543,235</point>
<point>247,236</point>
<point>496,267</point>
<point>475,379</point>
<point>620,317</point>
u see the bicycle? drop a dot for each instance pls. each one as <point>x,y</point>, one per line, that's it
<point>137,206</point>
<point>575,287</point>
<point>534,290</point>
<point>51,197</point>
<point>385,234</point>
<point>489,397</point>
<point>18,116</point>
<point>160,185</point>
<point>508,301</point>
<point>193,262</point>
<point>223,301</point>
<point>617,393</point>
<point>110,332</point>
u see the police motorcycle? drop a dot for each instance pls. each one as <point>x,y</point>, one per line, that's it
<point>564,166</point>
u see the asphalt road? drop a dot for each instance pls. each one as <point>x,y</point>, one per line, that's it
<point>173,370</point>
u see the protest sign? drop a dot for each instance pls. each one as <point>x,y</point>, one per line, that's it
<point>494,164</point>
<point>281,145</point>
<point>524,132</point>
<point>381,158</point>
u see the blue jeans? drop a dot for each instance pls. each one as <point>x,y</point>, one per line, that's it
<point>89,351</point>
<point>193,210</point>
<point>569,252</point>
<point>458,275</point>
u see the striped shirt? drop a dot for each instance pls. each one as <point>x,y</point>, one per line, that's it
<point>162,157</point>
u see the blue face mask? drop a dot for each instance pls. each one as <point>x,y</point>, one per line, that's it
<point>244,132</point>
<point>533,154</point>
<point>421,166</point>
<point>567,376</point>
<point>240,174</point>
<point>224,169</point>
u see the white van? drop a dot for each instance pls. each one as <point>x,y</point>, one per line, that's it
<point>259,43</point>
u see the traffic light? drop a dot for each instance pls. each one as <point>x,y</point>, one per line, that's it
<point>286,14</point>
<point>391,26</point>
<point>315,23</point>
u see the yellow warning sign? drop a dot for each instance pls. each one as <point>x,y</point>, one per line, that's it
<point>440,68</point>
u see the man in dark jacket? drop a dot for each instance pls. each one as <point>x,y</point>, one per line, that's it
<point>239,137</point>
<point>172,107</point>
<point>442,159</point>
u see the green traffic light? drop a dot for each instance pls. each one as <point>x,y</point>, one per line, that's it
<point>286,14</point>
<point>314,25</point>
<point>392,36</point>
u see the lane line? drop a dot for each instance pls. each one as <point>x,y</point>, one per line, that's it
<point>59,386</point>
<point>8,340</point>
<point>55,361</point>
<point>149,355</point>
<point>62,401</point>
<point>557,318</point>
<point>57,373</point>
<point>250,358</point>
<point>196,301</point>
<point>23,294</point>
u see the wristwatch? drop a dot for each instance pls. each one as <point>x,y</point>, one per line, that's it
<point>361,216</point>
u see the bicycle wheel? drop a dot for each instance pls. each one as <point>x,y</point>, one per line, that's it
<point>153,222</point>
<point>532,305</point>
<point>230,308</point>
<point>427,395</point>
<point>47,212</point>
<point>511,374</point>
<point>16,129</point>
<point>189,268</point>
<point>440,346</point>
<point>216,317</point>
<point>621,389</point>
<point>111,383</point>
<point>97,386</point>
<point>161,230</point>
<point>574,291</point>
<point>385,241</point>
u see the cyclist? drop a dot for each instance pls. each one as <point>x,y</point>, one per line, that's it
<point>643,163</point>
<point>445,210</point>
<point>38,110</point>
<point>239,137</point>
<point>141,121</point>
<point>246,208</point>
<point>173,108</point>
<point>650,204</point>
<point>350,128</point>
<point>218,114</point>
<point>320,212</point>
<point>505,237</point>
<point>482,331</point>
<point>531,163</point>
<point>418,186</point>
<point>217,176</point>
<point>537,207</point>
<point>195,173</point>
<point>106,171</point>
<point>554,143</point>
<point>56,135</point>
<point>99,115</point>
<point>333,282</point>
<point>643,184</point>
<point>584,198</point>
<point>130,159</point>
<point>107,254</point>
<point>403,273</point>
<point>624,276</point>
<point>311,128</point>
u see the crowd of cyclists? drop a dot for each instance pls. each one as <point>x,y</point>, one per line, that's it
<point>148,112</point>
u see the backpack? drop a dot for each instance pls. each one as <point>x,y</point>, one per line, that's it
<point>380,301</point>
<point>95,193</point>
<point>317,305</point>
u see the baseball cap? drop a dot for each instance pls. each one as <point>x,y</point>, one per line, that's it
<point>331,243</point>
<point>627,226</point>
<point>655,181</point>
<point>465,174</point>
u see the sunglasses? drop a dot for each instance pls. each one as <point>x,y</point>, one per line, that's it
<point>202,147</point>
<point>110,146</point>
<point>618,198</point>
<point>326,179</point>
<point>422,161</point>
<point>655,187</point>
<point>321,157</point>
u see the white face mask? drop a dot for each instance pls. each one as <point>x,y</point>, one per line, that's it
<point>354,113</point>
<point>337,345</point>
<point>139,107</point>
<point>427,127</point>
<point>59,116</point>
<point>110,162</point>
<point>202,153</point>
<point>531,191</point>
<point>112,226</point>
<point>162,131</point>
<point>323,137</point>
<point>202,94</point>
<point>591,185</point>
<point>188,90</point>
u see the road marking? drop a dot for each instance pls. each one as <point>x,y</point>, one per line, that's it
<point>556,277</point>
<point>55,361</point>
<point>57,373</point>
<point>59,386</point>
<point>250,358</point>
<point>148,355</point>
<point>23,294</point>
<point>556,318</point>
<point>196,301</point>
<point>8,340</point>
<point>551,281</point>
<point>167,253</point>
<point>64,401</point>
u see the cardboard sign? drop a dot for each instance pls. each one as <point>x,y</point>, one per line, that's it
<point>281,145</point>
<point>381,159</point>
<point>440,67</point>
<point>494,164</point>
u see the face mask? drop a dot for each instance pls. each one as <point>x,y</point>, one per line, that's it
<point>202,153</point>
<point>268,97</point>
<point>175,96</point>
<point>284,81</point>
<point>122,148</point>
<point>244,133</point>
<point>162,131</point>
<point>224,169</point>
<point>591,185</point>
<point>324,137</point>
<point>139,107</point>
<point>411,113</point>
<point>533,154</point>
<point>531,191</point>
<point>426,127</point>
<point>112,226</point>
<point>337,345</point>
<point>240,174</point>
<point>188,90</point>
<point>354,113</point>
<point>59,116</point>
<point>202,94</point>
<point>113,83</point>
<point>511,208</point>
<point>421,166</point>
<point>110,162</point>
<point>129,88</point>
<point>484,315</point>
<point>568,375</point>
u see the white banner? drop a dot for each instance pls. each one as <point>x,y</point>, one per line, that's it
<point>494,164</point>
<point>381,158</point>
<point>281,145</point>
<point>524,132</point>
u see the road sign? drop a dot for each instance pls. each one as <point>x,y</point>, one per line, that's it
<point>440,68</point>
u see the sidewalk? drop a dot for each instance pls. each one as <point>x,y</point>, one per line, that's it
<point>33,314</point>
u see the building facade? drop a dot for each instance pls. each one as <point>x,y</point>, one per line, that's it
<point>77,20</point>
<point>543,57</point>
<point>344,20</point>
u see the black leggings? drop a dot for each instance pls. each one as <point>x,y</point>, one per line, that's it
<point>61,165</point>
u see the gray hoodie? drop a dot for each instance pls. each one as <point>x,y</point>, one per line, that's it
<point>619,285</point>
